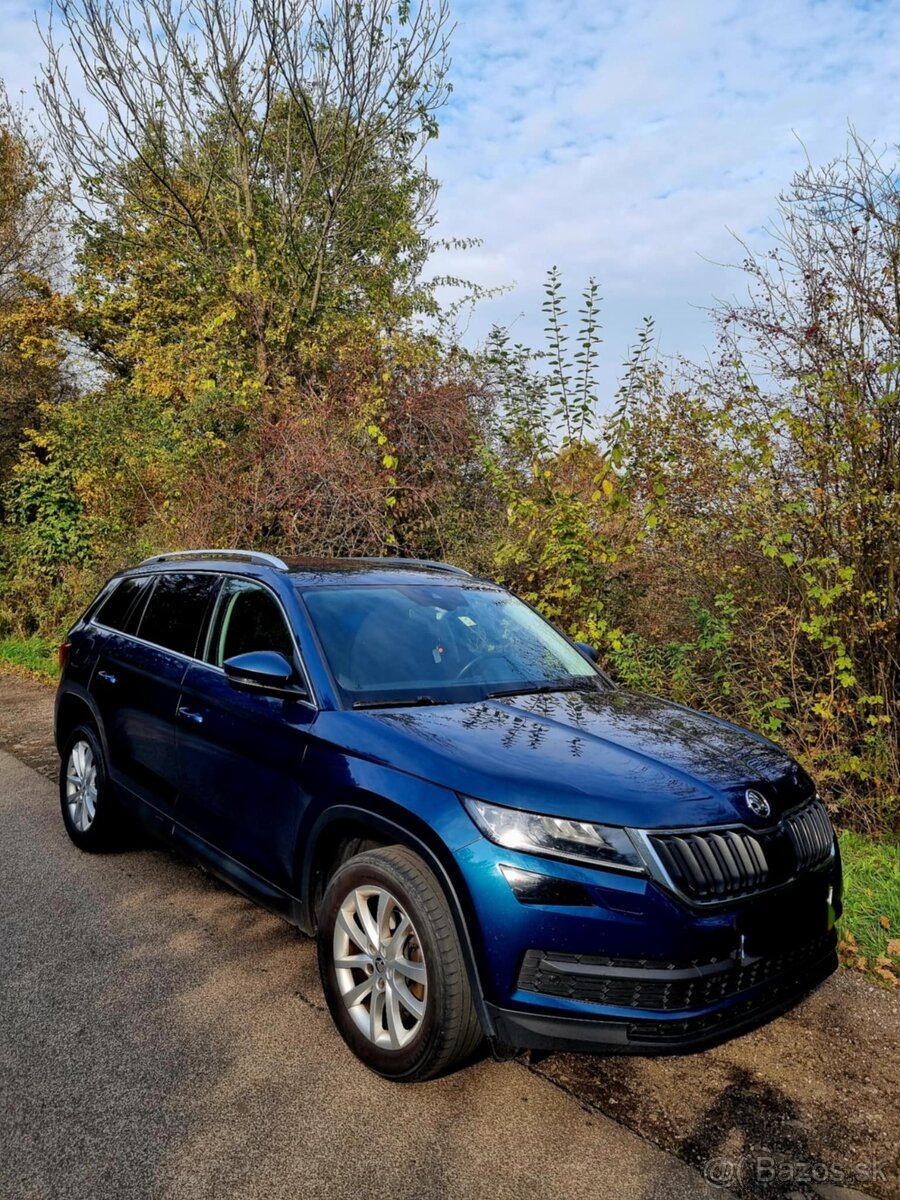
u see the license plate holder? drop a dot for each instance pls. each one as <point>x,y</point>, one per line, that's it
<point>774,929</point>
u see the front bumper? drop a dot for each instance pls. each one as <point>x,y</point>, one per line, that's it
<point>663,1034</point>
<point>619,964</point>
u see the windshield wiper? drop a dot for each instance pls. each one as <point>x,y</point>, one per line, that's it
<point>536,689</point>
<point>416,702</point>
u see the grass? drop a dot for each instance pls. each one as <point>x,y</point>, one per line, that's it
<point>871,904</point>
<point>32,656</point>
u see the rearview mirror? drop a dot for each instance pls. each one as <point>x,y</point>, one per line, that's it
<point>264,671</point>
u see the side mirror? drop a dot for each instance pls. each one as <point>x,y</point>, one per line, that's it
<point>263,671</point>
<point>589,652</point>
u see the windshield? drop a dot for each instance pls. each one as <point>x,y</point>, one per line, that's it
<point>436,643</point>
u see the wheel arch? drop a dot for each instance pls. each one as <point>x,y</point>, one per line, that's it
<point>74,708</point>
<point>352,821</point>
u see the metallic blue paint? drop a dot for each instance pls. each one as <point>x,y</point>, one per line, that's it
<point>263,787</point>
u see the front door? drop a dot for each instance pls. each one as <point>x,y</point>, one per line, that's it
<point>241,754</point>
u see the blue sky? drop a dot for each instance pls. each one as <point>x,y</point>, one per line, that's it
<point>625,140</point>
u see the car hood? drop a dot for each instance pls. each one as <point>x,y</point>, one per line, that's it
<point>616,756</point>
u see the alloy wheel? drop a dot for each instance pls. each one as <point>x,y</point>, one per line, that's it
<point>81,786</point>
<point>380,968</point>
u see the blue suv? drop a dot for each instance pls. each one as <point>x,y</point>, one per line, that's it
<point>488,837</point>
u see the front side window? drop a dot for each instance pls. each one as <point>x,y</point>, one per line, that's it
<point>176,610</point>
<point>248,618</point>
<point>437,643</point>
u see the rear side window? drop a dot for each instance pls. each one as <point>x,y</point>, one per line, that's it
<point>176,610</point>
<point>121,608</point>
<point>248,618</point>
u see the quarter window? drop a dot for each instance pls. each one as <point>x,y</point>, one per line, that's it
<point>248,618</point>
<point>121,608</point>
<point>175,612</point>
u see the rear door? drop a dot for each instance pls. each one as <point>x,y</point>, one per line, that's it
<point>137,679</point>
<point>241,754</point>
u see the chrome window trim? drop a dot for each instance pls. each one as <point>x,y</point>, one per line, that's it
<point>142,642</point>
<point>92,620</point>
<point>310,702</point>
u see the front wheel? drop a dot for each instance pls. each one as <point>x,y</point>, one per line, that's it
<point>392,968</point>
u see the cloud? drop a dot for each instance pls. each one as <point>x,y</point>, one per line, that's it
<point>624,139</point>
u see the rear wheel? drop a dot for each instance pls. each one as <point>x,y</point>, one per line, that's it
<point>90,813</point>
<point>392,967</point>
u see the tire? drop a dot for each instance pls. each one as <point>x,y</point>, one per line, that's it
<point>90,812</point>
<point>425,1020</point>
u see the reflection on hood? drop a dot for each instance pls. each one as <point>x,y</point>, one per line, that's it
<point>617,755</point>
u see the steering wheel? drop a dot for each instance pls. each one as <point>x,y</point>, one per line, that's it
<point>480,658</point>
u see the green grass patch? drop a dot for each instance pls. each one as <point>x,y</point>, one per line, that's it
<point>31,656</point>
<point>871,903</point>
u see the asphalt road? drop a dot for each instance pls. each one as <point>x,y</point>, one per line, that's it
<point>162,1037</point>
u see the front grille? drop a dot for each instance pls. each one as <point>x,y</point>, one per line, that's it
<point>811,834</point>
<point>660,986</point>
<point>721,864</point>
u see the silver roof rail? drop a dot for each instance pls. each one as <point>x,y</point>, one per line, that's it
<point>257,556</point>
<point>396,559</point>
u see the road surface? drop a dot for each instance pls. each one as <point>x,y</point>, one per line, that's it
<point>162,1037</point>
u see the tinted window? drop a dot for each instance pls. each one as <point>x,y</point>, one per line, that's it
<point>174,614</point>
<point>248,618</point>
<point>121,607</point>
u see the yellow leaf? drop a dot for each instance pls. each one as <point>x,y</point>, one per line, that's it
<point>608,486</point>
<point>884,922</point>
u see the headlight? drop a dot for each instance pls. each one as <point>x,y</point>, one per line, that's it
<point>556,837</point>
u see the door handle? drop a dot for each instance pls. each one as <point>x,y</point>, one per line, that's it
<point>188,714</point>
<point>108,677</point>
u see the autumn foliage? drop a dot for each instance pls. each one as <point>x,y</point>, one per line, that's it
<point>246,350</point>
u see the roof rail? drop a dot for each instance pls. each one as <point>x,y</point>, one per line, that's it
<point>257,556</point>
<point>414,562</point>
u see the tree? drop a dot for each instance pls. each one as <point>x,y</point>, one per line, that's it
<point>555,458</point>
<point>780,545</point>
<point>266,154</point>
<point>253,220</point>
<point>30,353</point>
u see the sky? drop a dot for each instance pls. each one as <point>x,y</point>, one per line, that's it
<point>629,141</point>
